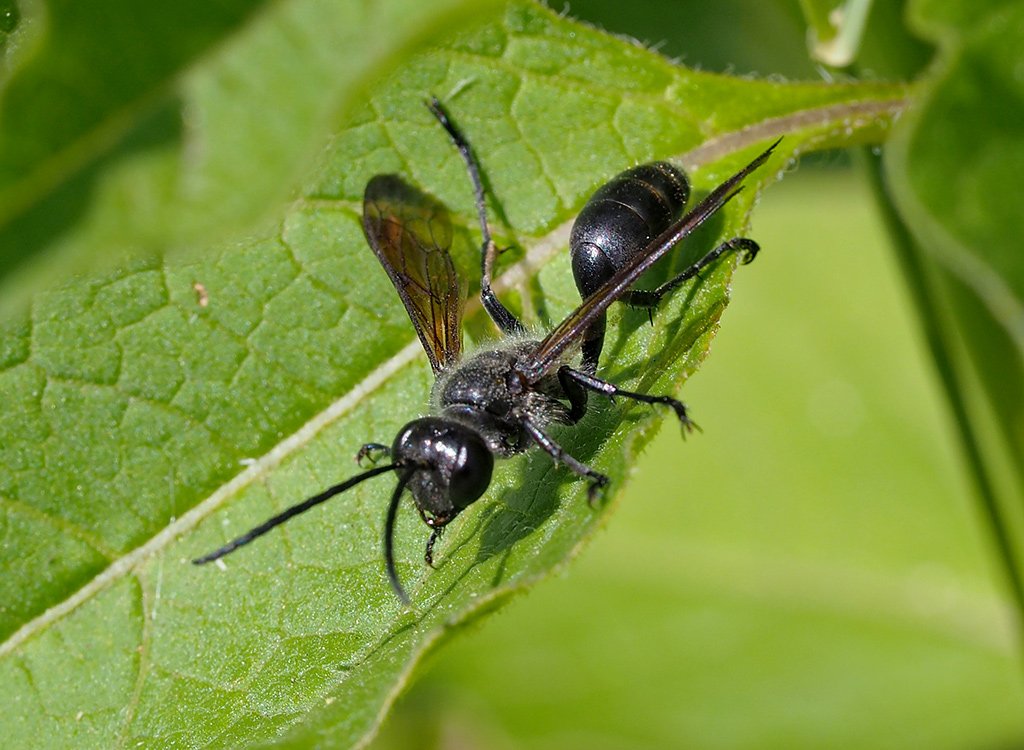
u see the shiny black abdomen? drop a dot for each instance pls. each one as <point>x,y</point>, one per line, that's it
<point>621,217</point>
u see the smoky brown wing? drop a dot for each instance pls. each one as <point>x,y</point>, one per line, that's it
<point>411,234</point>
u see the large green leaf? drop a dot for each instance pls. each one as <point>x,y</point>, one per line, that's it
<point>146,422</point>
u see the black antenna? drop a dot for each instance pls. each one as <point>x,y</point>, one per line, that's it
<point>291,512</point>
<point>389,535</point>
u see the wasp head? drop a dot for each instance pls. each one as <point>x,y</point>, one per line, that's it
<point>451,465</point>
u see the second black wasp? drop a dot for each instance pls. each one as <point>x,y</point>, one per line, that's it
<point>504,399</point>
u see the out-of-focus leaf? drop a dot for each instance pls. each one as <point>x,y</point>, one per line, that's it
<point>955,173</point>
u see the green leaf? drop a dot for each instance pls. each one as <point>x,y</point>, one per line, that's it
<point>158,409</point>
<point>140,129</point>
<point>954,171</point>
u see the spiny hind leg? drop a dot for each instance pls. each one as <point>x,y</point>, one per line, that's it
<point>649,299</point>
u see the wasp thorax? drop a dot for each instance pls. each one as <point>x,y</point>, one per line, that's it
<point>454,464</point>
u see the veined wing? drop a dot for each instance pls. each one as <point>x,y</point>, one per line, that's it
<point>570,331</point>
<point>411,234</point>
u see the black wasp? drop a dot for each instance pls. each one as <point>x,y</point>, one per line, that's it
<point>501,401</point>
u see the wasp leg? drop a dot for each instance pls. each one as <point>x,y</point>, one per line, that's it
<point>428,554</point>
<point>436,524</point>
<point>560,455</point>
<point>611,390</point>
<point>593,343</point>
<point>641,298</point>
<point>576,394</point>
<point>500,314</point>
<point>372,451</point>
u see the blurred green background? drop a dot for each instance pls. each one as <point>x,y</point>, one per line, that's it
<point>810,571</point>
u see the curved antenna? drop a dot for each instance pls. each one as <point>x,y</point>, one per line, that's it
<point>389,535</point>
<point>291,512</point>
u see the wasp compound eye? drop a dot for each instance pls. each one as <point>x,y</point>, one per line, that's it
<point>471,473</point>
